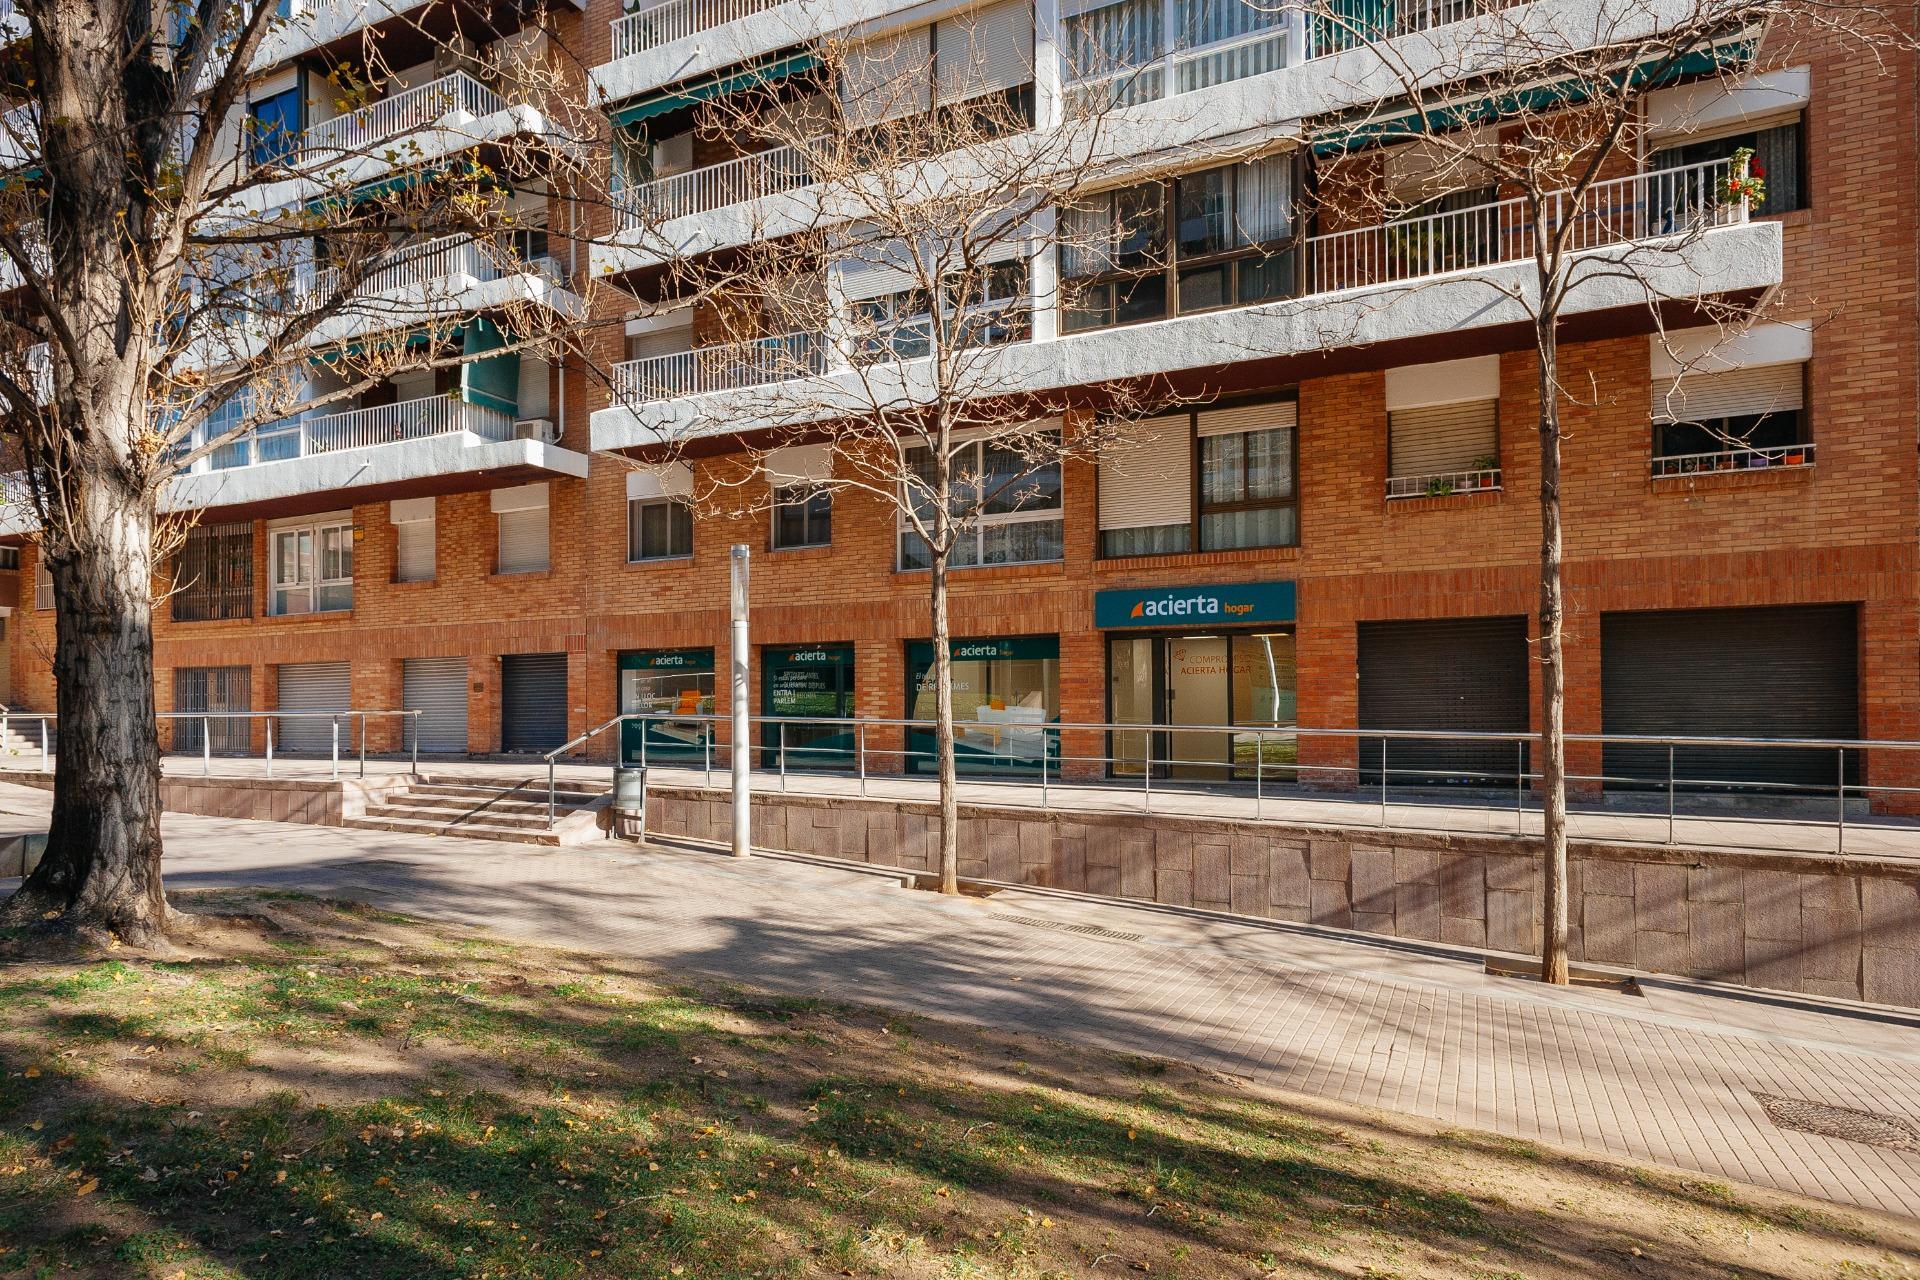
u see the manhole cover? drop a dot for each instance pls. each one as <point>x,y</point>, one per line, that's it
<point>1089,930</point>
<point>1829,1121</point>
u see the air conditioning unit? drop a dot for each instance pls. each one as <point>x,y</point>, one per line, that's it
<point>536,429</point>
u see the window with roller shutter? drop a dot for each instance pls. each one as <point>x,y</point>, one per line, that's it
<point>1443,448</point>
<point>1146,489</point>
<point>414,539</point>
<point>522,516</point>
<point>1737,419</point>
<point>979,60</point>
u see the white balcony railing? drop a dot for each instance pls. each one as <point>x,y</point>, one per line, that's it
<point>1742,458</point>
<point>716,186</point>
<point>1663,202</point>
<point>671,20</point>
<point>449,259</point>
<point>1443,484</point>
<point>360,428</point>
<point>1391,19</point>
<point>726,367</point>
<point>403,112</point>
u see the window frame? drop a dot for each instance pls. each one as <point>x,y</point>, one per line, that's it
<point>1197,540</point>
<point>272,140</point>
<point>278,590</point>
<point>1740,136</point>
<point>811,495</point>
<point>986,520</point>
<point>634,508</point>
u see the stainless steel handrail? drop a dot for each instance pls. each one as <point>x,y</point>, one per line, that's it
<point>47,721</point>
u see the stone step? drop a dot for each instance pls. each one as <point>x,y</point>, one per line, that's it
<point>467,830</point>
<point>475,792</point>
<point>480,806</point>
<point>452,817</point>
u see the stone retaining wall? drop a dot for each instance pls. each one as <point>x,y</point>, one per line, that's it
<point>1827,926</point>
<point>321,803</point>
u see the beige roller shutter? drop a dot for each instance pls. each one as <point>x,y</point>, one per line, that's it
<point>1249,417</point>
<point>1441,438</point>
<point>985,51</point>
<point>1149,480</point>
<point>413,529</point>
<point>1737,393</point>
<point>887,78</point>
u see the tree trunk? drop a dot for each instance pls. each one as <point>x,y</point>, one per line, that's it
<point>101,869</point>
<point>943,725</point>
<point>1553,694</point>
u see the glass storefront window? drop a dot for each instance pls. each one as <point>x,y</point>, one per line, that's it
<point>666,683</point>
<point>1005,693</point>
<point>1210,679</point>
<point>814,682</point>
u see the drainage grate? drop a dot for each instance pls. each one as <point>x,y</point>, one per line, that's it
<point>1829,1121</point>
<point>1089,930</point>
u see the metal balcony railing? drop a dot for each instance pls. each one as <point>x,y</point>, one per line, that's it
<point>716,186</point>
<point>1741,458</point>
<point>457,258</point>
<point>726,367</point>
<point>1663,202</point>
<point>1443,484</point>
<point>361,428</point>
<point>1327,34</point>
<point>671,20</point>
<point>403,112</point>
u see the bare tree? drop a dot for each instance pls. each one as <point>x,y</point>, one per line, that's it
<point>1548,111</point>
<point>184,264</point>
<point>876,303</point>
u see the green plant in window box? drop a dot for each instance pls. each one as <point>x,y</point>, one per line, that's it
<point>1439,487</point>
<point>1485,465</point>
<point>1745,182</point>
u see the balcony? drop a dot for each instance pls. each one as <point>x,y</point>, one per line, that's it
<point>1443,484</point>
<point>736,181</point>
<point>729,366</point>
<point>1471,267</point>
<point>421,107</point>
<point>1742,459</point>
<point>671,20</point>
<point>359,429</point>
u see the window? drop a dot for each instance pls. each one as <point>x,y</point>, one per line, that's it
<point>312,568</point>
<point>802,518</point>
<point>1742,418</point>
<point>522,516</point>
<point>213,573</point>
<point>9,558</point>
<point>414,539</point>
<point>42,585</point>
<point>900,326</point>
<point>1248,497</point>
<point>1218,238</point>
<point>1439,449</point>
<point>273,127</point>
<point>1779,157</point>
<point>1113,53</point>
<point>1010,507</point>
<point>1146,489</point>
<point>659,528</point>
<point>973,69</point>
<point>212,689</point>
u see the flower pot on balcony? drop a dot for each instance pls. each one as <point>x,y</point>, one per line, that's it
<point>1796,459</point>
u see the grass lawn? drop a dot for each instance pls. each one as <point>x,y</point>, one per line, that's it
<point>336,1092</point>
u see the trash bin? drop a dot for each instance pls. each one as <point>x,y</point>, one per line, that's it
<point>630,801</point>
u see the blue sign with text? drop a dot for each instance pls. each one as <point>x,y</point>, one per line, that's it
<point>1214,606</point>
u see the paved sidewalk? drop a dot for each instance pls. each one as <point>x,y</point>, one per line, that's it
<point>1665,1078</point>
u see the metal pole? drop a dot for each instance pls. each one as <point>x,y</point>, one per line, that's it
<point>336,748</point>
<point>1520,786</point>
<point>742,727</point>
<point>414,724</point>
<point>1840,777</point>
<point>1383,779</point>
<point>549,793</point>
<point>46,753</point>
<point>363,744</point>
<point>1670,792</point>
<point>1259,771</point>
<point>860,746</point>
<point>206,746</point>
<point>269,746</point>
<point>1043,769</point>
<point>782,727</point>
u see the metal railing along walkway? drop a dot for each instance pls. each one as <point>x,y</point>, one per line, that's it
<point>45,733</point>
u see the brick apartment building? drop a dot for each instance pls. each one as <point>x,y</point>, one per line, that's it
<point>1367,510</point>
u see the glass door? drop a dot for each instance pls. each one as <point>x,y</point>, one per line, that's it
<point>1227,680</point>
<point>1198,692</point>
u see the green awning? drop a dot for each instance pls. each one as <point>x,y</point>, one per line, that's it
<point>394,184</point>
<point>713,87</point>
<point>1547,96</point>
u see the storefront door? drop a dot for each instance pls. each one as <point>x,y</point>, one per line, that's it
<point>812,683</point>
<point>666,683</point>
<point>1210,678</point>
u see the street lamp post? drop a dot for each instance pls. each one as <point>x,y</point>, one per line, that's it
<point>742,726</point>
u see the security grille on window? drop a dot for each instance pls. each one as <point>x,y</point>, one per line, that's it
<point>1248,496</point>
<point>414,539</point>
<point>522,516</point>
<point>802,508</point>
<point>42,585</point>
<point>660,513</point>
<point>206,689</point>
<point>1146,489</point>
<point>312,567</point>
<point>1443,427</point>
<point>1012,507</point>
<point>1738,418</point>
<point>213,573</point>
<point>1221,237</point>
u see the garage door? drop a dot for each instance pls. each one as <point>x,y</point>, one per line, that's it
<point>1749,673</point>
<point>313,686</point>
<point>1462,674</point>
<point>533,701</point>
<point>437,689</point>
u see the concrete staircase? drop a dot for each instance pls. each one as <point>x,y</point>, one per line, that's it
<point>485,810</point>
<point>20,744</point>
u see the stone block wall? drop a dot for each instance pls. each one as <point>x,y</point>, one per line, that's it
<point>1825,926</point>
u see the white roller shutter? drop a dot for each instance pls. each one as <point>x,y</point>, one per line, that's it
<point>1149,481</point>
<point>887,78</point>
<point>1249,417</point>
<point>535,376</point>
<point>522,513</point>
<point>799,464</point>
<point>1703,397</point>
<point>314,686</point>
<point>437,688</point>
<point>414,538</point>
<point>983,52</point>
<point>1441,438</point>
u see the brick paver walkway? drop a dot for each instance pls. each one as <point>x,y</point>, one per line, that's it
<point>1667,1077</point>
